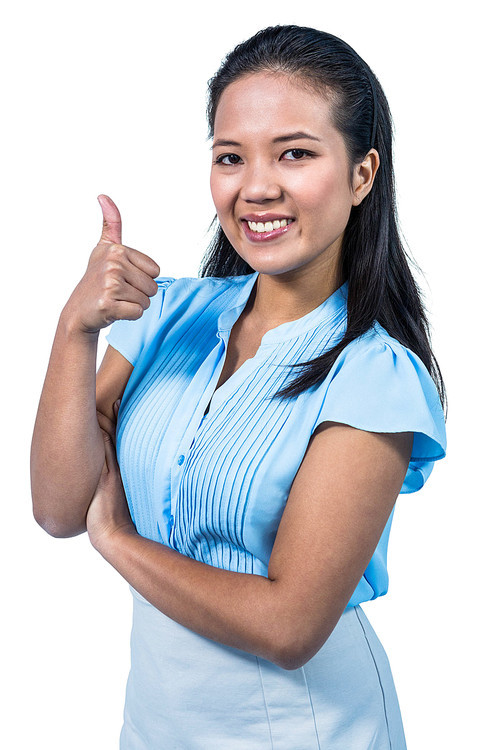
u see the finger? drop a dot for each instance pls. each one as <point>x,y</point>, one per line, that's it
<point>127,311</point>
<point>106,440</point>
<point>106,424</point>
<point>128,293</point>
<point>110,454</point>
<point>143,262</point>
<point>111,220</point>
<point>140,280</point>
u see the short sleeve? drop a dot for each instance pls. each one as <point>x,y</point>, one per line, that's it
<point>130,336</point>
<point>379,385</point>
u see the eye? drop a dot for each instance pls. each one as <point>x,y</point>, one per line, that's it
<point>297,154</point>
<point>227,159</point>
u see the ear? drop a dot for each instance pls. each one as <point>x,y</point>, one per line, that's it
<point>364,175</point>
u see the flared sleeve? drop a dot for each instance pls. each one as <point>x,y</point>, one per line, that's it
<point>379,385</point>
<point>130,337</point>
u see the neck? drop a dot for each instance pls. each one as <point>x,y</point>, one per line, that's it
<point>281,298</point>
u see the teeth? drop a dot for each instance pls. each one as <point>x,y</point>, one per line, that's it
<point>268,226</point>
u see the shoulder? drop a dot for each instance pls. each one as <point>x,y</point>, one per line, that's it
<point>379,366</point>
<point>207,284</point>
<point>379,385</point>
<point>177,302</point>
<point>375,341</point>
<point>377,354</point>
<point>201,288</point>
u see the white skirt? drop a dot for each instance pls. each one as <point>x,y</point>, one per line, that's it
<point>187,692</point>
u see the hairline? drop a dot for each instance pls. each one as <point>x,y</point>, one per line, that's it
<point>312,82</point>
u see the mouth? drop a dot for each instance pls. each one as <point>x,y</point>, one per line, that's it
<point>260,229</point>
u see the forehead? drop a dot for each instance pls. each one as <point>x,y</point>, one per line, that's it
<point>266,105</point>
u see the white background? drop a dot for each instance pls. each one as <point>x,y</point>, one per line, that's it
<point>108,97</point>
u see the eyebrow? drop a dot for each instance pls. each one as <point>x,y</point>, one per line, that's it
<point>280,139</point>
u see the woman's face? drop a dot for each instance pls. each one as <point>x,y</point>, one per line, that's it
<point>280,175</point>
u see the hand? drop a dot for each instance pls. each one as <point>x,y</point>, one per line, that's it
<point>108,512</point>
<point>118,281</point>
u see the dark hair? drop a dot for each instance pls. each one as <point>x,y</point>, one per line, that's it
<point>373,259</point>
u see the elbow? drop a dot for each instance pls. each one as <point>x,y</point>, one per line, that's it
<point>52,527</point>
<point>56,527</point>
<point>53,510</point>
<point>294,652</point>
<point>294,645</point>
<point>58,530</point>
<point>292,657</point>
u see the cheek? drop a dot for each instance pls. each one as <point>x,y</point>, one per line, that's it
<point>223,198</point>
<point>327,195</point>
<point>215,189</point>
<point>222,189</point>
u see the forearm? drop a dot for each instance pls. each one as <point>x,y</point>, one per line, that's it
<point>237,609</point>
<point>67,452</point>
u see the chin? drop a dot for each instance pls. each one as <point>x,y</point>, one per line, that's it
<point>273,269</point>
<point>266,260</point>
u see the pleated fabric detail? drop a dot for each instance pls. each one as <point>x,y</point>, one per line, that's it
<point>214,487</point>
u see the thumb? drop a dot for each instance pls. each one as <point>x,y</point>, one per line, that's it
<point>111,220</point>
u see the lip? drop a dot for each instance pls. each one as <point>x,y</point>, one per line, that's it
<point>265,217</point>
<point>266,236</point>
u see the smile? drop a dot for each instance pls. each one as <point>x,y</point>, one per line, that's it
<point>263,231</point>
<point>268,226</point>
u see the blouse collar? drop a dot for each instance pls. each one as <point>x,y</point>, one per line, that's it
<point>330,308</point>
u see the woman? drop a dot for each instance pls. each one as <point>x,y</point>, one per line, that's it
<point>267,416</point>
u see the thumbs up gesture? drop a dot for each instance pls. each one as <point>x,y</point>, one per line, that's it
<point>118,281</point>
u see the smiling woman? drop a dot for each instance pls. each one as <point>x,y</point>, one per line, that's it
<point>289,164</point>
<point>250,511</point>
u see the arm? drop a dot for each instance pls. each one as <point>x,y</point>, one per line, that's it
<point>67,451</point>
<point>337,508</point>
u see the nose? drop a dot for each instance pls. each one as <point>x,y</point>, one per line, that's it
<point>260,185</point>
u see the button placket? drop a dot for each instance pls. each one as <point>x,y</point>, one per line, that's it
<point>171,521</point>
<point>199,418</point>
<point>181,462</point>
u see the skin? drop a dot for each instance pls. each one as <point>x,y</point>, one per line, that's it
<point>349,479</point>
<point>117,285</point>
<point>299,270</point>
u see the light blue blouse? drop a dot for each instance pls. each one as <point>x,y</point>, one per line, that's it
<point>214,487</point>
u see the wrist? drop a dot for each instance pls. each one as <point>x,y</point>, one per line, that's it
<point>109,543</point>
<point>72,326</point>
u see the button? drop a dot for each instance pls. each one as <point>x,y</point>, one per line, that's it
<point>180,460</point>
<point>171,521</point>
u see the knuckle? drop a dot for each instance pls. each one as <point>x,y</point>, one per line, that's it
<point>116,251</point>
<point>112,265</point>
<point>111,272</point>
<point>137,311</point>
<point>108,285</point>
<point>102,304</point>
